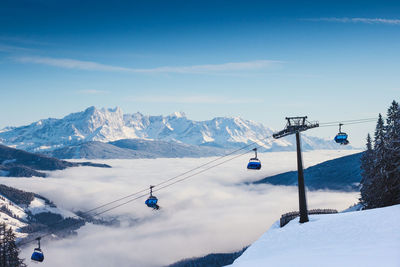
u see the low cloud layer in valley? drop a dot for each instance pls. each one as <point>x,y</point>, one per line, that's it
<point>211,212</point>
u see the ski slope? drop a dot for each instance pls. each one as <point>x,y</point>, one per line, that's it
<point>359,238</point>
<point>16,222</point>
<point>17,216</point>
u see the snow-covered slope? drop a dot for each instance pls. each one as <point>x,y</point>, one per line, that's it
<point>360,238</point>
<point>19,216</point>
<point>106,125</point>
<point>13,216</point>
<point>26,212</point>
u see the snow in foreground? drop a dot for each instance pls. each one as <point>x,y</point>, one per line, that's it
<point>363,238</point>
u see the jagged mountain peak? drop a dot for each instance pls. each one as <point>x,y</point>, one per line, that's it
<point>93,111</point>
<point>178,114</point>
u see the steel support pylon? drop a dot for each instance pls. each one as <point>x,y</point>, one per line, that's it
<point>295,125</point>
<point>301,184</point>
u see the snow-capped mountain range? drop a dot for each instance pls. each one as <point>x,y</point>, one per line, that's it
<point>107,125</point>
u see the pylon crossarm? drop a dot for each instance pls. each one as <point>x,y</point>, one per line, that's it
<point>295,125</point>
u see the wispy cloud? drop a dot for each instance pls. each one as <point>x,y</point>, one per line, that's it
<point>357,20</point>
<point>70,64</point>
<point>94,66</point>
<point>231,66</point>
<point>194,99</point>
<point>92,92</point>
<point>21,40</point>
<point>13,48</point>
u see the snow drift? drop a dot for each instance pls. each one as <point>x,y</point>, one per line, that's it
<point>360,238</point>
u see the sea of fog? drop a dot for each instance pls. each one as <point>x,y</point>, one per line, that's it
<point>208,213</point>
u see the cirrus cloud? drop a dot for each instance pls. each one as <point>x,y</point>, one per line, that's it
<point>91,92</point>
<point>194,99</point>
<point>194,69</point>
<point>357,20</point>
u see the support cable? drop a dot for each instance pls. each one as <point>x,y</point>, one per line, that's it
<point>327,124</point>
<point>157,185</point>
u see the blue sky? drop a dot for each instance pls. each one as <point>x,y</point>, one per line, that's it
<point>262,60</point>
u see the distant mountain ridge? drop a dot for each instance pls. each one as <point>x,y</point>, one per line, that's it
<point>341,174</point>
<point>19,163</point>
<point>109,125</point>
<point>132,149</point>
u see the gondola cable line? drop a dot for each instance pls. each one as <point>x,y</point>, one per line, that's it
<point>198,167</point>
<point>326,124</point>
<point>143,195</point>
<point>156,185</point>
<point>348,122</point>
<point>134,199</point>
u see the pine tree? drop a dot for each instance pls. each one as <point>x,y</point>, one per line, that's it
<point>9,252</point>
<point>380,164</point>
<point>377,186</point>
<point>379,141</point>
<point>392,170</point>
<point>367,166</point>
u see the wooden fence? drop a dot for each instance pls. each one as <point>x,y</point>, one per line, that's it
<point>287,217</point>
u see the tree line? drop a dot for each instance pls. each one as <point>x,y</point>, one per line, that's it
<point>380,164</point>
<point>9,252</point>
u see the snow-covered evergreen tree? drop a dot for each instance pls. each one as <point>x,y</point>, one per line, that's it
<point>367,166</point>
<point>9,252</point>
<point>380,185</point>
<point>393,153</point>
